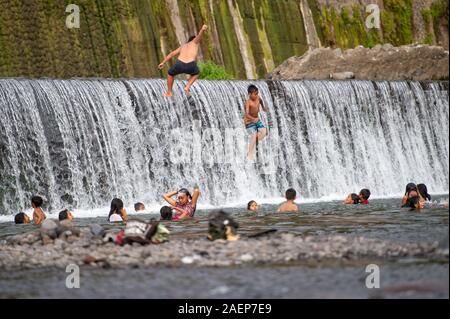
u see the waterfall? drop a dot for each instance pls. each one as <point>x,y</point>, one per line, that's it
<point>82,142</point>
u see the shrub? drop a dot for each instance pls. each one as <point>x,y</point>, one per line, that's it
<point>211,71</point>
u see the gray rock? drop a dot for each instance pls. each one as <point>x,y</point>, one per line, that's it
<point>415,63</point>
<point>97,230</point>
<point>49,228</point>
<point>342,76</point>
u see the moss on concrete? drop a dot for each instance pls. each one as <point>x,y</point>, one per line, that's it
<point>128,38</point>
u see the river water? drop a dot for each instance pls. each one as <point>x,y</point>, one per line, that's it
<point>382,219</point>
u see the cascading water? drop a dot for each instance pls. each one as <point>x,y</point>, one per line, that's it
<point>82,142</point>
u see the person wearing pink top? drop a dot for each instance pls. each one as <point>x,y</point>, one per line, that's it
<point>185,205</point>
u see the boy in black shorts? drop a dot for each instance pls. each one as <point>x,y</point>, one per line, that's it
<point>186,63</point>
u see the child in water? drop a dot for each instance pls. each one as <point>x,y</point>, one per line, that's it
<point>289,205</point>
<point>38,213</point>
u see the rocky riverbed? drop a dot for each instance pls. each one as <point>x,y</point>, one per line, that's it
<point>32,250</point>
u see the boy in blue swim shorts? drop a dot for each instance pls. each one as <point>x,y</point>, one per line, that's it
<point>253,124</point>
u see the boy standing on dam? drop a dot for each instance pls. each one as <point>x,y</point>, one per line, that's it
<point>186,62</point>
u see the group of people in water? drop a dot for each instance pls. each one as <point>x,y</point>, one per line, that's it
<point>182,205</point>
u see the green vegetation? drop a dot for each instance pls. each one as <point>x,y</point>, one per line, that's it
<point>129,38</point>
<point>212,71</point>
<point>347,28</point>
<point>397,22</point>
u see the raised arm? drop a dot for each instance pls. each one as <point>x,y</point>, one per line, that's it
<point>168,198</point>
<point>199,37</point>
<point>195,197</point>
<point>169,57</point>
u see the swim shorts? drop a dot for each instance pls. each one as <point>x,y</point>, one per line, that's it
<point>190,68</point>
<point>253,128</point>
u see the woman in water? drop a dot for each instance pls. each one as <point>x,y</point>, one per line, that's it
<point>185,205</point>
<point>117,213</point>
<point>412,197</point>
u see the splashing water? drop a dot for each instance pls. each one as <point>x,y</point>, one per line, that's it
<point>79,143</point>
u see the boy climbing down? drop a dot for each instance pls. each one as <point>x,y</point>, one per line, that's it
<point>186,62</point>
<point>253,124</point>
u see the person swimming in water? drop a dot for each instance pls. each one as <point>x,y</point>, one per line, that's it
<point>185,205</point>
<point>361,198</point>
<point>186,62</point>
<point>38,214</point>
<point>289,206</point>
<point>253,124</point>
<point>252,206</point>
<point>412,197</point>
<point>352,199</point>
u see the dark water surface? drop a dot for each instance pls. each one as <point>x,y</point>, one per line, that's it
<point>382,219</point>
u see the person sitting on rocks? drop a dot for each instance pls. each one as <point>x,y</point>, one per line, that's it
<point>38,213</point>
<point>166,213</point>
<point>186,203</point>
<point>65,214</point>
<point>289,205</point>
<point>352,199</point>
<point>21,218</point>
<point>252,206</point>
<point>117,212</point>
<point>139,208</point>
<point>222,226</point>
<point>139,231</point>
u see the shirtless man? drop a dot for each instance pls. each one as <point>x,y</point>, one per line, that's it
<point>253,123</point>
<point>289,206</point>
<point>186,63</point>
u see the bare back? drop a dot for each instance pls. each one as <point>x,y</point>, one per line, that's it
<point>188,52</point>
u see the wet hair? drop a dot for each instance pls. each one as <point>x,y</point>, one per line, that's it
<point>365,193</point>
<point>422,188</point>
<point>252,89</point>
<point>355,198</point>
<point>116,207</point>
<point>139,206</point>
<point>19,218</point>
<point>166,213</point>
<point>191,38</point>
<point>185,191</point>
<point>37,201</point>
<point>250,203</point>
<point>291,194</point>
<point>412,202</point>
<point>410,187</point>
<point>64,214</point>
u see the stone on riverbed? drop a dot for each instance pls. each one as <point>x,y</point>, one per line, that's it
<point>279,248</point>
